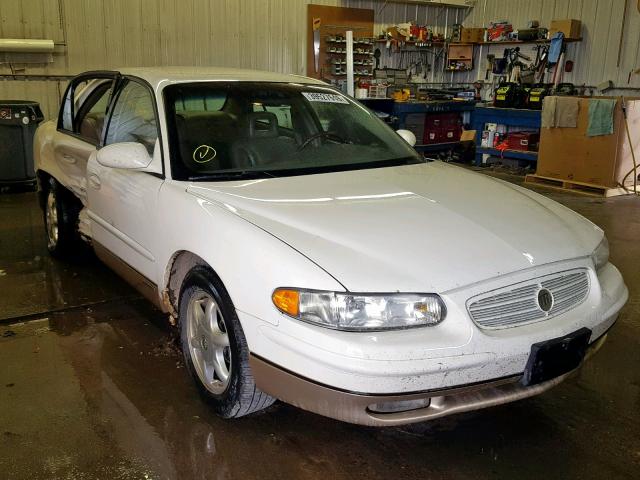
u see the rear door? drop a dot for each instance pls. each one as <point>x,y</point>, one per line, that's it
<point>81,126</point>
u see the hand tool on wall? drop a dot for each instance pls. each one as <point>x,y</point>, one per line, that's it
<point>542,56</point>
<point>489,68</point>
<point>377,54</point>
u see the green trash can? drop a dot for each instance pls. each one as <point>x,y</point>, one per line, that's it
<point>18,122</point>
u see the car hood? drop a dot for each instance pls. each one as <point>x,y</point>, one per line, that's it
<point>429,227</point>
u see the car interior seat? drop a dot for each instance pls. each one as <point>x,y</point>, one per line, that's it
<point>91,126</point>
<point>199,130</point>
<point>260,142</point>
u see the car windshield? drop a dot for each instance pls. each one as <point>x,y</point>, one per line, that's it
<point>232,130</point>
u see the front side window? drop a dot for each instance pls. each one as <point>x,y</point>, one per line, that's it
<point>133,118</point>
<point>222,130</point>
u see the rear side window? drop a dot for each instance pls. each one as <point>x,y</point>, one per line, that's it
<point>133,117</point>
<point>84,108</point>
<point>66,113</point>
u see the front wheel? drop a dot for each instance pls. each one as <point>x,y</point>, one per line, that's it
<point>215,349</point>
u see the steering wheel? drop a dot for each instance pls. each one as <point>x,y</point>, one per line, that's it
<point>328,135</point>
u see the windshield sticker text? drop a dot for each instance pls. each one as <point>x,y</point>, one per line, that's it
<point>324,97</point>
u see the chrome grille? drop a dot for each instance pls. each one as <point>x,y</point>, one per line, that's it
<point>518,304</point>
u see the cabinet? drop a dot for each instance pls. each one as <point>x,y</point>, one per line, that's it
<point>459,57</point>
<point>511,117</point>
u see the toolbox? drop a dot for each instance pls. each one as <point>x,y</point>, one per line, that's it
<point>508,95</point>
<point>537,94</point>
<point>442,128</point>
<point>523,140</point>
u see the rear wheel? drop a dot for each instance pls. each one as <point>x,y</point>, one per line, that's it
<point>215,349</point>
<point>60,219</point>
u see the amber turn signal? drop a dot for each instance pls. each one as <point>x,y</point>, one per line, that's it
<point>287,301</point>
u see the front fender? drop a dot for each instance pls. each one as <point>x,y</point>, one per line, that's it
<point>250,261</point>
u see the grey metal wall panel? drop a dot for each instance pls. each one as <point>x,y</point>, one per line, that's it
<point>596,57</point>
<point>99,34</point>
<point>440,18</point>
<point>270,34</point>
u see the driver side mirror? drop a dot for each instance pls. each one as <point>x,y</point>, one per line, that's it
<point>127,155</point>
<point>407,136</point>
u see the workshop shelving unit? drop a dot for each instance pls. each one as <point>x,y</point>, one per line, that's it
<point>327,46</point>
<point>510,117</point>
<point>336,55</point>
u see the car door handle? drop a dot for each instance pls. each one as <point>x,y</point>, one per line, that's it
<point>94,181</point>
<point>70,159</point>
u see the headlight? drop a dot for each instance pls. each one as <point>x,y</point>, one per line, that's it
<point>600,255</point>
<point>360,312</point>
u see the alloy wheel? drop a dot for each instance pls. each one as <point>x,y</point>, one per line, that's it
<point>208,342</point>
<point>51,215</point>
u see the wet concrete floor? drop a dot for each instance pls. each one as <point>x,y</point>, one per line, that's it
<point>91,387</point>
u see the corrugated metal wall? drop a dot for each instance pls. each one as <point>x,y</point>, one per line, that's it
<point>603,21</point>
<point>390,13</point>
<point>441,18</point>
<point>271,34</point>
<point>104,34</point>
<point>595,58</point>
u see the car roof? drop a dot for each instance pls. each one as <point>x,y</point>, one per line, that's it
<point>158,76</point>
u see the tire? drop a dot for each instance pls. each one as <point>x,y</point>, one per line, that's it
<point>60,219</point>
<point>214,347</point>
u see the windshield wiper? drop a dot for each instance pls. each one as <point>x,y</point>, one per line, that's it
<point>235,175</point>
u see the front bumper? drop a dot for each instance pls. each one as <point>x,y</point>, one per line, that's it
<point>374,410</point>
<point>455,352</point>
<point>399,377</point>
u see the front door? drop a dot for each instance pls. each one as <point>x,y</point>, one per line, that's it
<point>123,203</point>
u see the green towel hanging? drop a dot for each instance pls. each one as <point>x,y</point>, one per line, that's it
<point>601,117</point>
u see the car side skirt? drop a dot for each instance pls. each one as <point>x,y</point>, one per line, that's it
<point>142,284</point>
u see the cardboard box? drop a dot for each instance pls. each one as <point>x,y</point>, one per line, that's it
<point>570,28</point>
<point>570,154</point>
<point>468,136</point>
<point>472,35</point>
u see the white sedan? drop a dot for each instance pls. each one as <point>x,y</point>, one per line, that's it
<point>307,253</point>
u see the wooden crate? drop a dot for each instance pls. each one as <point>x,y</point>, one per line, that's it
<point>569,155</point>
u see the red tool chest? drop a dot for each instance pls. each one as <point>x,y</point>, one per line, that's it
<point>442,127</point>
<point>523,140</point>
